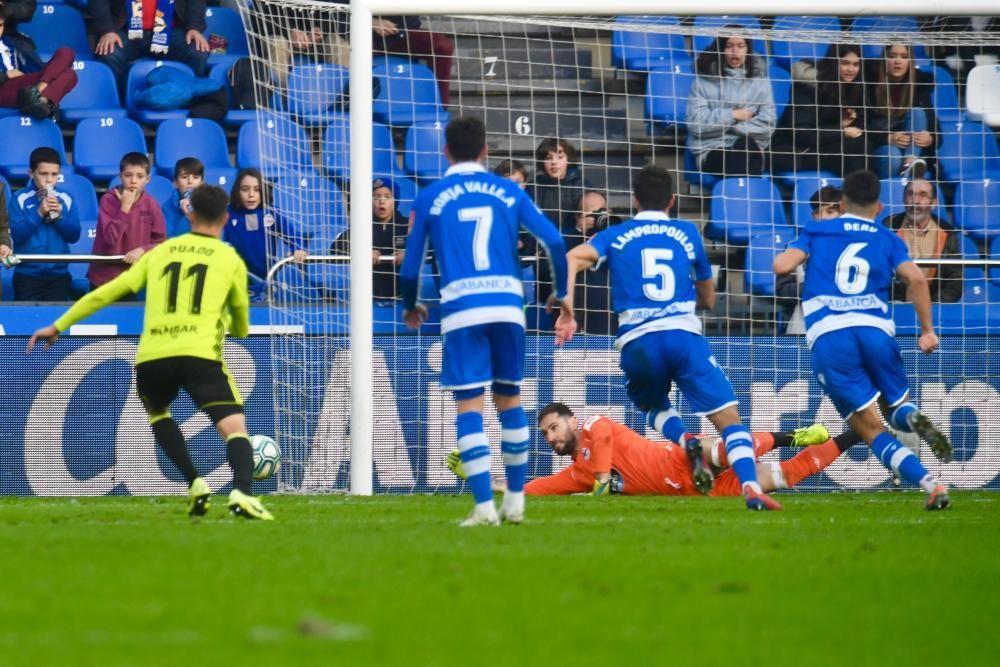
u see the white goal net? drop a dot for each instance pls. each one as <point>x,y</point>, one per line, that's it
<point>757,117</point>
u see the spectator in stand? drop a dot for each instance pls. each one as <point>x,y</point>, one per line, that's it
<point>928,237</point>
<point>388,238</point>
<point>127,30</point>
<point>43,221</point>
<point>18,12</point>
<point>514,170</point>
<point>899,119</point>
<point>290,32</point>
<point>592,294</point>
<point>730,112</point>
<point>558,182</point>
<point>822,129</point>
<point>27,84</point>
<point>189,173</point>
<point>6,244</point>
<point>403,35</point>
<point>129,221</point>
<point>825,205</point>
<point>250,218</point>
<point>963,56</point>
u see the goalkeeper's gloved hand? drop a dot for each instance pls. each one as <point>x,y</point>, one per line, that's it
<point>455,464</point>
<point>601,488</point>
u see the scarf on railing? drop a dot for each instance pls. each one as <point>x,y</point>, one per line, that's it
<point>161,24</point>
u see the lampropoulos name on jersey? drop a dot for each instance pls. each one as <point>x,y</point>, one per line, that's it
<point>477,187</point>
<point>655,228</point>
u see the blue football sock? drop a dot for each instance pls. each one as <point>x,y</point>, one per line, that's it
<point>739,452</point>
<point>515,444</point>
<point>669,423</point>
<point>900,417</point>
<point>899,459</point>
<point>474,449</point>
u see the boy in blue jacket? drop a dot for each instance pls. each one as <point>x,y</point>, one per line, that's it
<point>189,173</point>
<point>43,221</point>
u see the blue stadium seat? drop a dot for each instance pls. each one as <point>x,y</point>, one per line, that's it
<point>53,26</point>
<point>947,108</point>
<point>642,50</point>
<point>968,152</point>
<point>227,25</point>
<point>221,176</point>
<point>700,42</point>
<point>781,88</point>
<point>803,188</point>
<point>977,208</point>
<point>100,143</point>
<point>159,187</point>
<point>974,277</point>
<point>763,248</point>
<point>337,149</point>
<point>220,73</point>
<point>873,23</point>
<point>667,94</point>
<point>994,285</point>
<point>136,83</point>
<point>407,193</point>
<point>190,137</point>
<point>314,90</point>
<point>785,53</point>
<point>743,207</point>
<point>424,156</point>
<point>289,150</point>
<point>408,94</point>
<point>94,96</point>
<point>23,135</point>
<point>892,199</point>
<point>316,206</point>
<point>85,198</point>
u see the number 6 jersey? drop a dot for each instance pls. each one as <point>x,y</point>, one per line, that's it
<point>653,262</point>
<point>848,275</point>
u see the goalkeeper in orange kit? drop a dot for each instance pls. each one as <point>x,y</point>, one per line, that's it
<point>609,457</point>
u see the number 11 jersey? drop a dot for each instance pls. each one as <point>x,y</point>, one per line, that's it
<point>851,263</point>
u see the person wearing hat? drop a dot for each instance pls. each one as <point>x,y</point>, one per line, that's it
<point>388,238</point>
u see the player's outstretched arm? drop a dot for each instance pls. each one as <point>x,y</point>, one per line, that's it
<point>788,261</point>
<point>705,289</point>
<point>918,293</point>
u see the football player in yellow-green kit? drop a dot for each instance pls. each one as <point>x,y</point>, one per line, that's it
<point>196,287</point>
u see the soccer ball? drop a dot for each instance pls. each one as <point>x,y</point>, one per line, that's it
<point>266,456</point>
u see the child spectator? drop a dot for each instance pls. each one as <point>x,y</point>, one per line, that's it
<point>388,238</point>
<point>730,113</point>
<point>514,170</point>
<point>189,173</point>
<point>250,218</point>
<point>127,30</point>
<point>43,221</point>
<point>558,183</point>
<point>26,83</point>
<point>825,205</point>
<point>129,221</point>
<point>899,119</point>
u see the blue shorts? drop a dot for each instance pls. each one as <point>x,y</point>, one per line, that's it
<point>654,361</point>
<point>854,366</point>
<point>480,355</point>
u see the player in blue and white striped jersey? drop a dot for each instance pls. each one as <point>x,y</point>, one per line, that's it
<point>659,275</point>
<point>851,262</point>
<point>471,219</point>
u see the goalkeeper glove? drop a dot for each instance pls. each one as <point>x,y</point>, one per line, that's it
<point>454,461</point>
<point>601,488</point>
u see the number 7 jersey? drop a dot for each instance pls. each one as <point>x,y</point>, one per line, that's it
<point>653,262</point>
<point>851,263</point>
<point>196,286</point>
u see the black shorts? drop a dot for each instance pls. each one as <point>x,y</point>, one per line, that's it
<point>206,381</point>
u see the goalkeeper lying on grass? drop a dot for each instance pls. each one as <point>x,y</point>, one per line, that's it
<point>609,457</point>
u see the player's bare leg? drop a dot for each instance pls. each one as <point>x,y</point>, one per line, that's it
<point>867,423</point>
<point>242,503</point>
<point>516,441</point>
<point>739,447</point>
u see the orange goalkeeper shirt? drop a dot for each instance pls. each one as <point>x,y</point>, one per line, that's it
<point>638,466</point>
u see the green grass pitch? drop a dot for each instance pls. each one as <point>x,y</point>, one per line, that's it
<point>833,580</point>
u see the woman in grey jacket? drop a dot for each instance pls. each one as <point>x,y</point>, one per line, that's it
<point>730,112</point>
